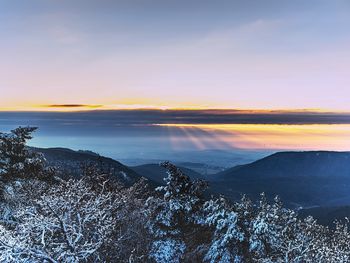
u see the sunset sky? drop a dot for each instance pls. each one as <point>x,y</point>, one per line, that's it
<point>175,54</point>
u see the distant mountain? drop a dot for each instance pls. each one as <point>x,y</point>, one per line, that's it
<point>201,168</point>
<point>72,162</point>
<point>326,215</point>
<point>157,173</point>
<point>299,178</point>
<point>294,164</point>
<point>202,161</point>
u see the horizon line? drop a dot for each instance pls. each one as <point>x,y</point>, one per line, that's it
<point>66,108</point>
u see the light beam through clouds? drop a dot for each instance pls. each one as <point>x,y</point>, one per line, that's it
<point>179,130</point>
<point>267,136</point>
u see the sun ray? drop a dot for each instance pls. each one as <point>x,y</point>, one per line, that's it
<point>266,136</point>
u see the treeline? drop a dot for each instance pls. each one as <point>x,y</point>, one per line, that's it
<point>94,218</point>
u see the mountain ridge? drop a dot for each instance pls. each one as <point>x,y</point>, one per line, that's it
<point>71,162</point>
<point>307,178</point>
<point>304,163</point>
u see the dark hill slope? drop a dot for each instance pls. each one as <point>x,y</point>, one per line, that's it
<point>293,164</point>
<point>326,215</point>
<point>72,162</point>
<point>299,178</point>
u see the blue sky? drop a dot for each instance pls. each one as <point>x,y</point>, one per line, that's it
<point>216,54</point>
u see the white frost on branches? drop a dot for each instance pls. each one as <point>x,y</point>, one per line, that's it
<point>69,223</point>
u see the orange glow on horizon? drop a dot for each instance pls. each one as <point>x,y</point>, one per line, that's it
<point>271,136</point>
<point>135,106</point>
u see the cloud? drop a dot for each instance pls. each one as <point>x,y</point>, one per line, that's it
<point>147,130</point>
<point>72,106</point>
<point>149,117</point>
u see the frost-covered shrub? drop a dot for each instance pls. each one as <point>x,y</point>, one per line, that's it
<point>167,250</point>
<point>69,223</point>
<point>75,221</point>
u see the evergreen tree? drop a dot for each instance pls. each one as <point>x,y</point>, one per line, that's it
<point>16,160</point>
<point>175,217</point>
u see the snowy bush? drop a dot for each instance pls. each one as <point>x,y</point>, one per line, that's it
<point>167,250</point>
<point>75,222</point>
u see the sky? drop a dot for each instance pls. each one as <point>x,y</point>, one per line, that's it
<point>104,54</point>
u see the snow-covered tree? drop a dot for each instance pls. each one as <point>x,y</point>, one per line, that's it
<point>75,221</point>
<point>228,237</point>
<point>271,233</point>
<point>69,223</point>
<point>175,216</point>
<point>16,160</point>
<point>334,244</point>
